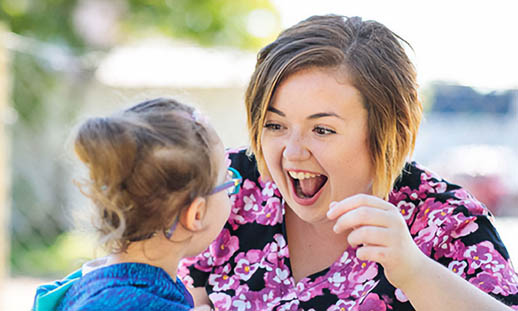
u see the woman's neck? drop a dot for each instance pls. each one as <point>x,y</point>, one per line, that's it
<point>322,230</point>
<point>306,239</point>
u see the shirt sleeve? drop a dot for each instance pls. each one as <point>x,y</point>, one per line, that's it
<point>458,231</point>
<point>451,226</point>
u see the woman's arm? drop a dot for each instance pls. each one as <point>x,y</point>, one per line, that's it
<point>435,287</point>
<point>381,234</point>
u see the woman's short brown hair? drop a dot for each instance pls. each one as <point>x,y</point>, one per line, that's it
<point>145,164</point>
<point>375,61</point>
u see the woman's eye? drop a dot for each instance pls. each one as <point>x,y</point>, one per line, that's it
<point>320,130</point>
<point>273,126</point>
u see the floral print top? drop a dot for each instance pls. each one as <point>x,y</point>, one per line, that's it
<point>248,266</point>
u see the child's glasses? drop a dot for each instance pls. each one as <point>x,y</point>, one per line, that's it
<point>232,186</point>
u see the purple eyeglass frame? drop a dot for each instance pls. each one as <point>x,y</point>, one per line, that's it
<point>234,182</point>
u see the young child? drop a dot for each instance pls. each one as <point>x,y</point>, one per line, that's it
<point>157,172</point>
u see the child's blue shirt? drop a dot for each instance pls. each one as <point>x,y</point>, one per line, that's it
<point>48,296</point>
<point>124,286</point>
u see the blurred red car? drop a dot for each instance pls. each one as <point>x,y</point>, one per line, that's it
<point>490,173</point>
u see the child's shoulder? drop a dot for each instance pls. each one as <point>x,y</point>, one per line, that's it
<point>49,295</point>
<point>124,286</point>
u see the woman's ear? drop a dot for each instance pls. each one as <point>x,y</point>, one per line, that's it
<point>193,216</point>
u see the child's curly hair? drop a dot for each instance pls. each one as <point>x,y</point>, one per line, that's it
<point>145,164</point>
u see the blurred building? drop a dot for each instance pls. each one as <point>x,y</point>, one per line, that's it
<point>471,138</point>
<point>213,79</point>
<point>449,98</point>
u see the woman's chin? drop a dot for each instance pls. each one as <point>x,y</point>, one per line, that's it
<point>313,214</point>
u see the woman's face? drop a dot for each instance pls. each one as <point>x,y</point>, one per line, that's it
<point>315,142</point>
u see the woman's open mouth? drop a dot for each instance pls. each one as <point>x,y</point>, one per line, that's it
<point>306,186</point>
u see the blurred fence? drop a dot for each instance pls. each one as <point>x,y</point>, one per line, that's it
<point>44,98</point>
<point>51,91</point>
<point>4,152</point>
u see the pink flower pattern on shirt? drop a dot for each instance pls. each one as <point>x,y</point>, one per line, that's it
<point>224,247</point>
<point>247,267</point>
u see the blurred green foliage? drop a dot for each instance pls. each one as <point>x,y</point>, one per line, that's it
<point>68,252</point>
<point>48,78</point>
<point>46,20</point>
<point>208,22</point>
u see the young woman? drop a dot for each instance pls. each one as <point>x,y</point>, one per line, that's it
<point>332,215</point>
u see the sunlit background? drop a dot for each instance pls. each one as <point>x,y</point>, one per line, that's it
<point>64,60</point>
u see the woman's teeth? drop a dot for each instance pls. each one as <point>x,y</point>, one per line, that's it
<point>301,175</point>
<point>306,185</point>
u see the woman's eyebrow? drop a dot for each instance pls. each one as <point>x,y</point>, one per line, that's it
<point>311,117</point>
<point>277,111</point>
<point>323,115</point>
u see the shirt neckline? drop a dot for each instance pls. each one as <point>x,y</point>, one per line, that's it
<point>311,279</point>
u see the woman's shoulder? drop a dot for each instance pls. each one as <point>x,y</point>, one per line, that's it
<point>432,206</point>
<point>244,162</point>
<point>419,185</point>
<point>416,176</point>
<point>429,202</point>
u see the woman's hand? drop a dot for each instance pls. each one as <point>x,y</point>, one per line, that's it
<point>379,231</point>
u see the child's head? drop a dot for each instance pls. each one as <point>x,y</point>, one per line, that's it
<point>146,165</point>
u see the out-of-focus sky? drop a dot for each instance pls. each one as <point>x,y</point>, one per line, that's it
<point>474,43</point>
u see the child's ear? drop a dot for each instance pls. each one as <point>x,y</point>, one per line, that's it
<point>193,216</point>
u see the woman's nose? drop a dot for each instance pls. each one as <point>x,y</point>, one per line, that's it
<point>295,149</point>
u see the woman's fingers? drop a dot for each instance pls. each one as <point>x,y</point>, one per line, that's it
<point>372,253</point>
<point>369,235</point>
<point>364,216</point>
<point>355,201</point>
<point>380,232</point>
